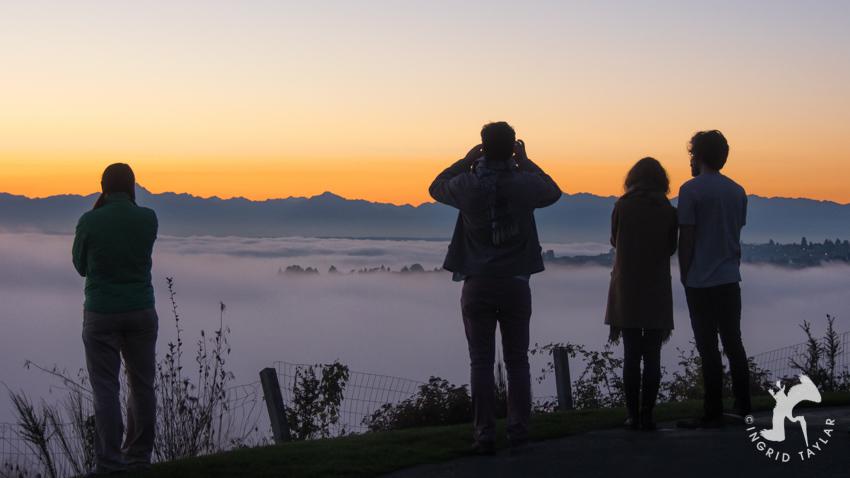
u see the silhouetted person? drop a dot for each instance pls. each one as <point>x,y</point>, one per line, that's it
<point>112,250</point>
<point>640,297</point>
<point>712,210</point>
<point>494,250</point>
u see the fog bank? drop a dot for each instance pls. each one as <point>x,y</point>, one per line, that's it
<point>401,325</point>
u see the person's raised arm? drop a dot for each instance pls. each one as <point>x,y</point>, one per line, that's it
<point>547,190</point>
<point>440,188</point>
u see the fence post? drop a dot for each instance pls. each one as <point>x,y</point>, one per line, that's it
<point>274,403</point>
<point>562,379</point>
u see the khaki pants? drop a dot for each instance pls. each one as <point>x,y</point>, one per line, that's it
<point>108,337</point>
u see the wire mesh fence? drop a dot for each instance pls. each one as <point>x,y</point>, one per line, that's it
<point>15,452</point>
<point>242,418</point>
<point>778,363</point>
<point>364,394</point>
<point>19,457</point>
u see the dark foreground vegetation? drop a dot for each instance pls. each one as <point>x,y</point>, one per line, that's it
<point>374,454</point>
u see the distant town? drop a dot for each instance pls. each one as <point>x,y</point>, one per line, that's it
<point>804,254</point>
<point>796,256</point>
<point>413,269</point>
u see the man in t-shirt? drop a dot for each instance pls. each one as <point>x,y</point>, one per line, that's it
<point>712,209</point>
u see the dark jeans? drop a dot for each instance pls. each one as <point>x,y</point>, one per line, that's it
<point>484,303</point>
<point>717,310</point>
<point>641,344</point>
<point>108,338</point>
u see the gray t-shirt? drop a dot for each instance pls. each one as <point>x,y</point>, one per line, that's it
<point>717,208</point>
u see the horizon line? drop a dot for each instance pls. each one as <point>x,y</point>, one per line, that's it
<point>366,200</point>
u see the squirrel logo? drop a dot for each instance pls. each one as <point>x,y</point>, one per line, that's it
<point>785,403</point>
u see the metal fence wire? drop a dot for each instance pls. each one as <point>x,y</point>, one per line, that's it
<point>778,362</point>
<point>243,421</point>
<point>15,452</point>
<point>18,457</point>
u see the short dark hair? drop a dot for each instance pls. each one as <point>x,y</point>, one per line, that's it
<point>497,141</point>
<point>648,172</point>
<point>709,147</point>
<point>119,178</point>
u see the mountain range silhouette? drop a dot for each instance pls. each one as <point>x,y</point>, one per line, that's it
<point>575,218</point>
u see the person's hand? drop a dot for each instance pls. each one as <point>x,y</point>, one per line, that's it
<point>474,153</point>
<point>519,151</point>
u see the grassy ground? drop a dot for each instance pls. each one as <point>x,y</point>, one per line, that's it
<point>374,454</point>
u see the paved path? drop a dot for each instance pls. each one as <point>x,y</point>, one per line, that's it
<point>670,452</point>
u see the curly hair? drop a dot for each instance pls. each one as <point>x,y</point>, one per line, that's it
<point>709,147</point>
<point>649,173</point>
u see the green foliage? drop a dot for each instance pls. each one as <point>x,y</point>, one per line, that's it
<point>548,405</point>
<point>600,384</point>
<point>759,379</point>
<point>437,403</point>
<point>314,412</point>
<point>820,360</point>
<point>687,382</point>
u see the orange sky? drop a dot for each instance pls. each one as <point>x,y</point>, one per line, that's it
<point>398,181</point>
<point>372,100</point>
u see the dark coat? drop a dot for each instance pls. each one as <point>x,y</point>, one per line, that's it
<point>472,251</point>
<point>644,232</point>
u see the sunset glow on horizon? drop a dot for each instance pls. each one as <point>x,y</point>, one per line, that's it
<point>371,100</point>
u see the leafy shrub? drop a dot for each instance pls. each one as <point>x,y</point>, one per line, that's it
<point>437,403</point>
<point>820,360</point>
<point>314,412</point>
<point>601,382</point>
<point>687,382</point>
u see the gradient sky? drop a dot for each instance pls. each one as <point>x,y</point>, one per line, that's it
<point>371,99</point>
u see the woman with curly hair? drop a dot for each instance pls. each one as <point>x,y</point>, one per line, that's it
<point>640,296</point>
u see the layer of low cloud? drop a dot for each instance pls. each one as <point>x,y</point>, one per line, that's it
<point>400,325</point>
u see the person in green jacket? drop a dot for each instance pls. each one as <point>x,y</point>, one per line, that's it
<point>112,250</point>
